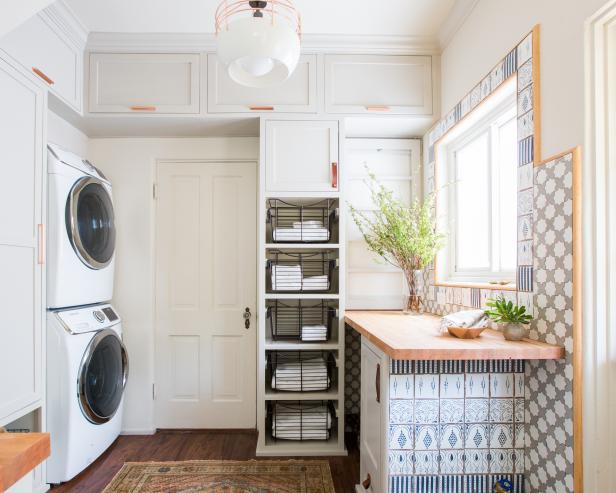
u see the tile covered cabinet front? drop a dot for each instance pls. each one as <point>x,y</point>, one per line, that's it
<point>455,426</point>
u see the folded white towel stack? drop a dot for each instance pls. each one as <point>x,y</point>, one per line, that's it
<point>304,421</point>
<point>286,277</point>
<point>307,224</point>
<point>314,333</point>
<point>315,283</point>
<point>301,234</point>
<point>466,318</point>
<point>308,375</point>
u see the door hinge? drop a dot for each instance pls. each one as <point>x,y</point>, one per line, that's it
<point>153,391</point>
<point>154,191</point>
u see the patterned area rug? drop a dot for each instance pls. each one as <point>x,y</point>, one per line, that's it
<point>253,476</point>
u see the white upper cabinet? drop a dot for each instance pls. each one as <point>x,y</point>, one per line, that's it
<point>298,94</point>
<point>21,236</point>
<point>301,156</point>
<point>40,47</point>
<point>356,84</point>
<point>144,82</point>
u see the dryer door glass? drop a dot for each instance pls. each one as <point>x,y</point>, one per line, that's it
<point>102,377</point>
<point>90,223</point>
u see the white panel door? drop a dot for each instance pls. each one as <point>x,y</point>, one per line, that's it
<point>205,280</point>
<point>301,156</point>
<point>22,104</point>
<point>372,283</point>
<point>378,83</point>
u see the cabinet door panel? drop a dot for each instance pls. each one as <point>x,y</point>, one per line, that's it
<point>298,94</point>
<point>21,140</point>
<point>145,82</point>
<point>378,84</point>
<point>371,417</point>
<point>301,156</point>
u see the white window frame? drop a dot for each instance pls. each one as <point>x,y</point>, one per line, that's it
<point>495,114</point>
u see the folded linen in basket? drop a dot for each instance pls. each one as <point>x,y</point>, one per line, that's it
<point>315,283</point>
<point>307,224</point>
<point>465,318</point>
<point>301,234</point>
<point>286,277</point>
<point>304,422</point>
<point>314,333</point>
<point>297,376</point>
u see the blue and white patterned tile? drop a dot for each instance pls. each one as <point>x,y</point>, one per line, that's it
<point>501,385</point>
<point>427,386</point>
<point>476,410</point>
<point>525,100</point>
<point>525,278</point>
<point>452,462</point>
<point>465,105</point>
<point>452,410</point>
<point>525,176</point>
<point>526,299</point>
<point>426,411</point>
<point>477,462</point>
<point>426,437</point>
<point>501,436</point>
<point>519,438</point>
<point>475,298</point>
<point>424,367</point>
<point>449,296</point>
<point>478,366</point>
<point>525,49</point>
<point>426,462</point>
<point>525,202</point>
<point>451,437</point>
<point>441,296</point>
<point>401,386</point>
<point>466,297</point>
<point>476,436</point>
<point>400,437</point>
<point>525,75</point>
<point>526,150</point>
<point>426,484</point>
<point>525,228</point>
<point>475,96</point>
<point>501,461</point>
<point>452,386</point>
<point>525,252</point>
<point>526,126</point>
<point>477,385</point>
<point>401,412</point>
<point>486,87</point>
<point>518,483</point>
<point>451,367</point>
<point>450,119</point>
<point>497,76</point>
<point>511,63</point>
<point>401,484</point>
<point>518,409</point>
<point>401,367</point>
<point>485,294</point>
<point>501,410</point>
<point>518,460</point>
<point>457,296</point>
<point>400,462</point>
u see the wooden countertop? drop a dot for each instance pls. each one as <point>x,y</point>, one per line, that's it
<point>416,337</point>
<point>19,454</point>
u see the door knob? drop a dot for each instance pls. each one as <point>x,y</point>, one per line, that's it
<point>247,316</point>
<point>366,482</point>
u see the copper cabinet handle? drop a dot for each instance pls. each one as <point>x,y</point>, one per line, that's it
<point>143,108</point>
<point>366,482</point>
<point>378,108</point>
<point>334,175</point>
<point>377,383</point>
<point>43,76</point>
<point>41,244</point>
<point>261,108</point>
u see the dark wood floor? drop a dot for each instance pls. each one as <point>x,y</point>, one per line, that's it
<point>194,445</point>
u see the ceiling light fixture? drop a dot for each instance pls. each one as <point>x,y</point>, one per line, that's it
<point>258,41</point>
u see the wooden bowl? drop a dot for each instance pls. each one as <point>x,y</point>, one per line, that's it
<point>465,332</point>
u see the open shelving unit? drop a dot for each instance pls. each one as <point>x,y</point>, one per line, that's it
<point>268,445</point>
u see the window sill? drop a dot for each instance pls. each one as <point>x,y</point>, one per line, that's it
<point>477,285</point>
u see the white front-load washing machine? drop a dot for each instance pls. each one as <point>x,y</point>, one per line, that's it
<point>87,369</point>
<point>81,232</point>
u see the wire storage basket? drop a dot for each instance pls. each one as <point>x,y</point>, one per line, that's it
<point>301,371</point>
<point>302,321</point>
<point>314,222</point>
<point>300,272</point>
<point>302,420</point>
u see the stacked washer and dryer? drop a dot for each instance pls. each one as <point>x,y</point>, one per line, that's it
<point>87,363</point>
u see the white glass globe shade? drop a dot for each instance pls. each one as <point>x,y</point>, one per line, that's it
<point>258,53</point>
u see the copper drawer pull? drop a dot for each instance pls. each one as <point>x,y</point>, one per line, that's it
<point>378,108</point>
<point>143,108</point>
<point>377,383</point>
<point>334,175</point>
<point>41,244</point>
<point>261,108</point>
<point>366,482</point>
<point>43,76</point>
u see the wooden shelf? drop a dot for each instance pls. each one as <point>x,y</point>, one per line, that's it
<point>416,337</point>
<point>301,296</point>
<point>20,453</point>
<point>312,448</point>
<point>304,246</point>
<point>326,395</point>
<point>272,345</point>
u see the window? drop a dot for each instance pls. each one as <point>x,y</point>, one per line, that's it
<point>478,198</point>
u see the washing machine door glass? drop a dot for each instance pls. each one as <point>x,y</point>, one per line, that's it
<point>102,377</point>
<point>90,222</point>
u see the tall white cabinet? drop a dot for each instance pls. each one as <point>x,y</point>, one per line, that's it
<point>301,168</point>
<point>22,131</point>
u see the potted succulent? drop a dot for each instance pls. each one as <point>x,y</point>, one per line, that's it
<point>511,318</point>
<point>404,236</point>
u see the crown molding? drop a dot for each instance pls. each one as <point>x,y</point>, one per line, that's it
<point>454,21</point>
<point>311,43</point>
<point>62,16</point>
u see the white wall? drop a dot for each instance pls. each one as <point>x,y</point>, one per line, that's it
<point>61,132</point>
<point>130,164</point>
<point>14,12</point>
<point>494,28</point>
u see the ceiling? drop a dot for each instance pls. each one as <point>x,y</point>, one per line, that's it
<point>421,18</point>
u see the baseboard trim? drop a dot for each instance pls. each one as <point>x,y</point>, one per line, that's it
<point>138,431</point>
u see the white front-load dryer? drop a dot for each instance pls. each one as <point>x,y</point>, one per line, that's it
<point>81,232</point>
<point>87,369</point>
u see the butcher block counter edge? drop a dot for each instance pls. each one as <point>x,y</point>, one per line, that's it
<point>20,453</point>
<point>415,337</point>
